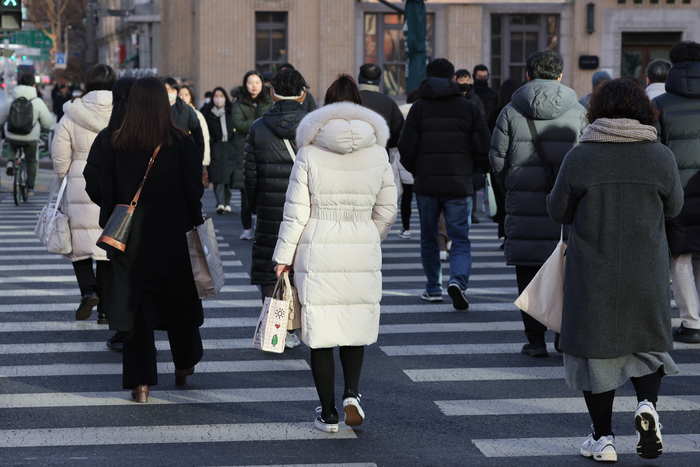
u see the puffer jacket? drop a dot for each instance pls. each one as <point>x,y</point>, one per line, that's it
<point>679,129</point>
<point>41,118</point>
<point>560,120</point>
<point>341,202</point>
<point>84,118</point>
<point>266,171</point>
<point>244,114</point>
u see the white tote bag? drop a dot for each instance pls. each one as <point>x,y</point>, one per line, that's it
<point>53,229</point>
<point>490,207</point>
<point>271,330</point>
<point>543,298</point>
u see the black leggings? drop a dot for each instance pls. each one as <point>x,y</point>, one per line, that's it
<point>600,406</point>
<point>246,216</point>
<point>99,282</point>
<point>406,200</point>
<point>323,370</point>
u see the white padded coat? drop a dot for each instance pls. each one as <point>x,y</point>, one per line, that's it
<point>75,133</point>
<point>340,204</point>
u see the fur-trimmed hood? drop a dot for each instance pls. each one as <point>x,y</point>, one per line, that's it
<point>92,111</point>
<point>343,127</point>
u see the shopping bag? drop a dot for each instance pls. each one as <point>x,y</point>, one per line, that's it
<point>291,296</point>
<point>543,298</point>
<point>271,330</point>
<point>490,207</point>
<point>394,157</point>
<point>207,269</point>
<point>53,228</point>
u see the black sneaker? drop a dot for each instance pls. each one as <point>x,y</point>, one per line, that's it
<point>687,335</point>
<point>537,352</point>
<point>116,342</point>
<point>458,296</point>
<point>90,300</point>
<point>328,426</point>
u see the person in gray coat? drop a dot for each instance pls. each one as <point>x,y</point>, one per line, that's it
<point>560,120</point>
<point>616,189</point>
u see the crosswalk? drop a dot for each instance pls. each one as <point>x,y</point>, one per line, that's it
<point>463,369</point>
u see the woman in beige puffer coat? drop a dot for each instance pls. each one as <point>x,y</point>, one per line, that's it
<point>84,117</point>
<point>340,204</point>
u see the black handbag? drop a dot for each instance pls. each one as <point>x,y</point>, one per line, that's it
<point>116,232</point>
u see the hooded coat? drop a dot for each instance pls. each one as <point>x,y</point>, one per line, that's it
<point>244,114</point>
<point>340,204</point>
<point>560,120</point>
<point>679,129</point>
<point>84,118</point>
<point>267,168</point>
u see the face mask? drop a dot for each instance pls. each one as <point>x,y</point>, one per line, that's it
<point>482,82</point>
<point>207,100</point>
<point>465,87</point>
<point>219,101</point>
<point>172,97</point>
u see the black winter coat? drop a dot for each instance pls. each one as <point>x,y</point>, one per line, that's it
<point>444,139</point>
<point>267,168</point>
<point>93,168</point>
<point>387,108</point>
<point>489,97</point>
<point>154,273</point>
<point>222,166</point>
<point>244,114</point>
<point>187,121</point>
<point>679,129</point>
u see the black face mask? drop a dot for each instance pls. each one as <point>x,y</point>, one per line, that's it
<point>482,83</point>
<point>465,87</point>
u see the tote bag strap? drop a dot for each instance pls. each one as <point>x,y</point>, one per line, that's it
<point>135,201</point>
<point>289,148</point>
<point>548,171</point>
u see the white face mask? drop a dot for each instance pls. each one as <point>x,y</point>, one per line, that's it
<point>207,100</point>
<point>219,101</point>
<point>172,97</point>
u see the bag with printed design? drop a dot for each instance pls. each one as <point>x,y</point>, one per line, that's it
<point>271,330</point>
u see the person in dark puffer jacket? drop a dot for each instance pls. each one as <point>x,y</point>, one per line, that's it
<point>369,79</point>
<point>445,138</point>
<point>679,129</point>
<point>560,120</point>
<point>266,170</point>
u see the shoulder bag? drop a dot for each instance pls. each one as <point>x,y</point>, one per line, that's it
<point>490,206</point>
<point>116,232</point>
<point>53,228</point>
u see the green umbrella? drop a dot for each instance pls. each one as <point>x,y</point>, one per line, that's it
<point>415,31</point>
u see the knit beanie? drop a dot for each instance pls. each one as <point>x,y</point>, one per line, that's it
<point>370,74</point>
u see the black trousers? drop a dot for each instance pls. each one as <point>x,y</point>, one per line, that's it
<point>534,330</point>
<point>140,365</point>
<point>246,215</point>
<point>88,279</point>
<point>323,370</point>
<point>406,200</point>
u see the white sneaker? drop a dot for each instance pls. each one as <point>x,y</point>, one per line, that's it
<point>404,233</point>
<point>227,208</point>
<point>247,235</point>
<point>220,209</point>
<point>354,415</point>
<point>646,421</point>
<point>602,450</point>
<point>292,340</point>
<point>449,246</point>
<point>327,426</point>
<point>443,255</point>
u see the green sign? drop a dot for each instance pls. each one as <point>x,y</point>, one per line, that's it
<point>9,3</point>
<point>33,38</point>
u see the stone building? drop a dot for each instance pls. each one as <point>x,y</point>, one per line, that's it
<point>212,43</point>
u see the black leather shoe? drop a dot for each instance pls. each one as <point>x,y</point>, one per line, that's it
<point>116,342</point>
<point>90,300</point>
<point>475,220</point>
<point>537,352</point>
<point>687,335</point>
<point>102,318</point>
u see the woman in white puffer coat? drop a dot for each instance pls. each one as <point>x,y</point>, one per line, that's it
<point>85,116</point>
<point>340,204</point>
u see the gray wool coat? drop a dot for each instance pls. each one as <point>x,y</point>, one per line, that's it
<point>617,197</point>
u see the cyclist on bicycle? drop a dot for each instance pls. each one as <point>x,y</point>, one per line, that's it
<point>23,123</point>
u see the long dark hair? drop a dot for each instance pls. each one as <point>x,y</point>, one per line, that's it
<point>343,89</point>
<point>120,99</point>
<point>99,78</point>
<point>149,119</point>
<point>245,95</point>
<point>227,105</point>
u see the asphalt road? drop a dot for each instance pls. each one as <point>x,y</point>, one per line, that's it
<point>440,388</point>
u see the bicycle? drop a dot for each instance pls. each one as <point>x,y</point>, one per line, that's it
<point>18,170</point>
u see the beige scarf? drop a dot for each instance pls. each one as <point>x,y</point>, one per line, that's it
<point>618,130</point>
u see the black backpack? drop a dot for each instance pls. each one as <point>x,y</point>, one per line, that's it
<point>21,118</point>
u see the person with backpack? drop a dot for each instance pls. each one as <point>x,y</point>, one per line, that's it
<point>24,117</point>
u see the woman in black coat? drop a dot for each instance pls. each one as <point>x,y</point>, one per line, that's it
<point>152,283</point>
<point>616,189</point>
<point>222,167</point>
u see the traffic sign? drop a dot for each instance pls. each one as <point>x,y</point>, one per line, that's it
<point>60,63</point>
<point>11,15</point>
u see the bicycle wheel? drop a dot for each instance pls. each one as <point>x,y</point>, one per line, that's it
<point>23,179</point>
<point>16,192</point>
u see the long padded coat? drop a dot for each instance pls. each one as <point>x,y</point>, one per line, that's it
<point>244,114</point>
<point>679,129</point>
<point>341,202</point>
<point>75,133</point>
<point>560,120</point>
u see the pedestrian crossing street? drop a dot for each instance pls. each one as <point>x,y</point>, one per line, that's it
<point>61,386</point>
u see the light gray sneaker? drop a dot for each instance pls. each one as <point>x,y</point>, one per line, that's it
<point>602,450</point>
<point>247,235</point>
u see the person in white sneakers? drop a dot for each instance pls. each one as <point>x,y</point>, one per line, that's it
<point>616,318</point>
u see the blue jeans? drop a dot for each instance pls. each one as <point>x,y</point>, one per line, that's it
<point>458,219</point>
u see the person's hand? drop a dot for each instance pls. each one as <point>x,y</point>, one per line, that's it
<point>205,178</point>
<point>280,268</point>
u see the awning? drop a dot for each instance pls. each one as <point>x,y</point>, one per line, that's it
<point>131,57</point>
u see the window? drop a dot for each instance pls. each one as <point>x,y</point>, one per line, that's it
<point>640,48</point>
<point>516,37</point>
<point>384,45</point>
<point>270,40</point>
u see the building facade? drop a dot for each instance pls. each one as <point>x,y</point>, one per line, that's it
<point>210,43</point>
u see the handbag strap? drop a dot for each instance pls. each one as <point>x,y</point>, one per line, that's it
<point>135,201</point>
<point>289,148</point>
<point>548,171</point>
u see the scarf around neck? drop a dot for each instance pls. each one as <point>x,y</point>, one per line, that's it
<point>221,113</point>
<point>618,130</point>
